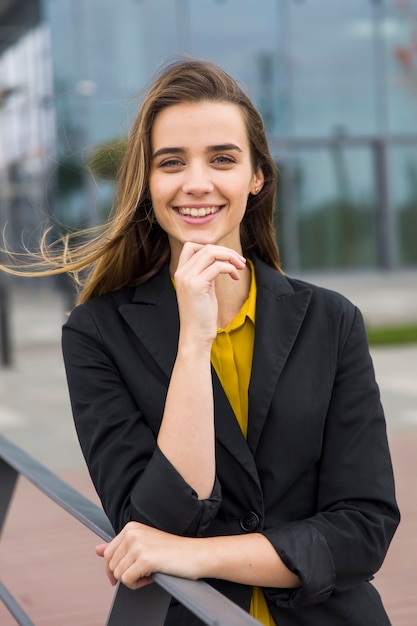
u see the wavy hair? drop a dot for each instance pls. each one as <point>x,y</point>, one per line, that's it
<point>131,246</point>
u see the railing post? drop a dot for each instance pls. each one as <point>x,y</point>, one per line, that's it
<point>15,609</point>
<point>5,339</point>
<point>8,478</point>
<point>150,609</point>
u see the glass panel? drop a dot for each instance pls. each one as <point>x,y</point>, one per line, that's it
<point>99,66</point>
<point>403,168</point>
<point>26,127</point>
<point>314,69</point>
<point>401,36</point>
<point>331,66</point>
<point>334,204</point>
<point>253,48</point>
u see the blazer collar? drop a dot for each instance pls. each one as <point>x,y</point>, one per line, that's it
<point>154,318</point>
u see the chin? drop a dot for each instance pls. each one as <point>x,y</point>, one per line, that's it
<point>202,239</point>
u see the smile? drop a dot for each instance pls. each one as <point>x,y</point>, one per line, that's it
<point>201,212</point>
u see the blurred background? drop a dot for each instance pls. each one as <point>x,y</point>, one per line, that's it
<point>336,83</point>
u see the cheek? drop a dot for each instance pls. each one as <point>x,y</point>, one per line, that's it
<point>154,186</point>
<point>159,189</point>
<point>238,186</point>
<point>244,196</point>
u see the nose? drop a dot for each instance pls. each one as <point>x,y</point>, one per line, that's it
<point>197,180</point>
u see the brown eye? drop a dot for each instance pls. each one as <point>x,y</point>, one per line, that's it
<point>223,159</point>
<point>170,163</point>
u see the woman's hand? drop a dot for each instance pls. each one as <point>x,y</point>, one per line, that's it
<point>139,551</point>
<point>198,267</point>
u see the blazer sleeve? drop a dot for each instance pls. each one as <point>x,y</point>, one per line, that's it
<point>346,541</point>
<point>133,478</point>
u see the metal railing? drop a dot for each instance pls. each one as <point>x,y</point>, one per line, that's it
<point>5,339</point>
<point>147,606</point>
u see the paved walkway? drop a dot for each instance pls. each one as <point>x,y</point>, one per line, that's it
<point>47,559</point>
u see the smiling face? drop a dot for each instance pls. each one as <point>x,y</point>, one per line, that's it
<point>201,174</point>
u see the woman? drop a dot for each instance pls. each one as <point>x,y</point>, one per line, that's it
<point>228,415</point>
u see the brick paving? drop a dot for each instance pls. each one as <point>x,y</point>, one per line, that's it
<point>397,580</point>
<point>48,561</point>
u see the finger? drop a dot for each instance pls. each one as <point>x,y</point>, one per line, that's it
<point>208,253</point>
<point>114,544</point>
<point>142,582</point>
<point>130,569</point>
<point>113,581</point>
<point>139,583</point>
<point>134,575</point>
<point>188,250</point>
<point>113,554</point>
<point>100,549</point>
<point>205,259</point>
<point>211,272</point>
<point>109,574</point>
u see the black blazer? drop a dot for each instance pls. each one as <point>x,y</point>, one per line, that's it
<point>314,475</point>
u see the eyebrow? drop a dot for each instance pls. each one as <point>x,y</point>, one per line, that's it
<point>215,148</point>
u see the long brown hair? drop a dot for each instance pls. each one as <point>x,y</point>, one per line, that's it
<point>131,247</point>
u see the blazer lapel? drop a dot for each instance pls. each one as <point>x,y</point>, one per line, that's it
<point>280,312</point>
<point>228,431</point>
<point>153,317</point>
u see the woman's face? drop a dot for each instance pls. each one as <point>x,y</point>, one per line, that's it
<point>201,173</point>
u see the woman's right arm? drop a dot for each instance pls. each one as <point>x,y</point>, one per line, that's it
<point>139,474</point>
<point>187,436</point>
<point>117,398</point>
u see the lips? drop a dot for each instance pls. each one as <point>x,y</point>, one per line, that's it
<point>198,212</point>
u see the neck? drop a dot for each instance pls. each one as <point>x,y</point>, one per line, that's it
<point>231,294</point>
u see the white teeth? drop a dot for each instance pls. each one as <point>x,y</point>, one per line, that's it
<point>185,210</point>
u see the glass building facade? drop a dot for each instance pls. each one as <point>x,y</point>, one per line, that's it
<point>336,84</point>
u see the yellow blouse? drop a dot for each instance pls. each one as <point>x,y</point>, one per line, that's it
<point>231,357</point>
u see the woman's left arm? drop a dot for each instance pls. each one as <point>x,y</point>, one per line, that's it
<point>340,546</point>
<point>345,542</point>
<point>139,551</point>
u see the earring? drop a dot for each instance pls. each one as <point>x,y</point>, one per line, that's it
<point>257,190</point>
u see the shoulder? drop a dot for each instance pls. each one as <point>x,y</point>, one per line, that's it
<point>330,298</point>
<point>331,314</point>
<point>93,317</point>
<point>339,313</point>
<point>282,285</point>
<point>325,313</point>
<point>105,308</point>
<point>104,303</point>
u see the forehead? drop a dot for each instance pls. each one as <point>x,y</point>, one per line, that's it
<point>213,122</point>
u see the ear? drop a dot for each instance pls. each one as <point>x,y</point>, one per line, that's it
<point>257,182</point>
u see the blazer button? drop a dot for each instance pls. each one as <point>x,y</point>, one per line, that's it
<point>249,522</point>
